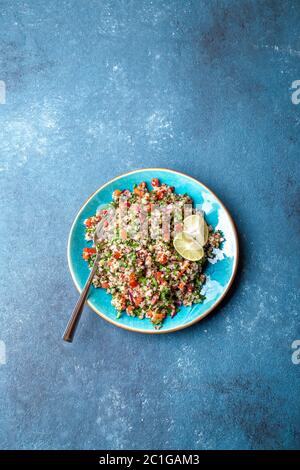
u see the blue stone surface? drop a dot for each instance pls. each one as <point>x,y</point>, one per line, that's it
<point>97,88</point>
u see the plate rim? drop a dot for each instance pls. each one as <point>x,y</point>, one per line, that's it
<point>176,328</point>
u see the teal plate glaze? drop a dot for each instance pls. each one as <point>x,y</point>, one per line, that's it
<point>220,272</point>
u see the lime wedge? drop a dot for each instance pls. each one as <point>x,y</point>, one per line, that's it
<point>188,247</point>
<point>196,227</point>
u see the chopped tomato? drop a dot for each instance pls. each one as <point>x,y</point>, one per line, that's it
<point>142,185</point>
<point>138,301</point>
<point>155,182</point>
<point>138,192</point>
<point>129,309</point>
<point>162,258</point>
<point>105,285</point>
<point>117,193</point>
<point>117,254</point>
<point>132,280</point>
<point>158,317</point>
<point>88,223</point>
<point>87,252</point>
<point>160,195</point>
<point>181,285</point>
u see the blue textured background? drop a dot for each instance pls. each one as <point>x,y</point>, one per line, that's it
<point>96,88</point>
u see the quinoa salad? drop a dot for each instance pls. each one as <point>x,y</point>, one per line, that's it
<point>139,265</point>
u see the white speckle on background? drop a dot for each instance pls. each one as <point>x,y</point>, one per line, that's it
<point>31,135</point>
<point>112,417</point>
<point>4,167</point>
<point>281,50</point>
<point>187,362</point>
<point>159,127</point>
<point>203,441</point>
<point>2,353</point>
<point>2,92</point>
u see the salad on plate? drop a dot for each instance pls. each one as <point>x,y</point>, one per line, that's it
<point>154,246</point>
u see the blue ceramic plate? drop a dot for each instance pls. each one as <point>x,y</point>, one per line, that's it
<point>220,273</point>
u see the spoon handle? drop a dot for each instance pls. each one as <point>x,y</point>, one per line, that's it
<point>76,314</point>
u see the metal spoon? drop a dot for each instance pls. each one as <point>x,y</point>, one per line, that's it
<point>76,314</point>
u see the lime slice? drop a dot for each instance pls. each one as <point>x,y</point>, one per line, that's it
<point>197,228</point>
<point>188,247</point>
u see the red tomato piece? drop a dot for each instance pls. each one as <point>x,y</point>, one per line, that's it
<point>132,280</point>
<point>155,182</point>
